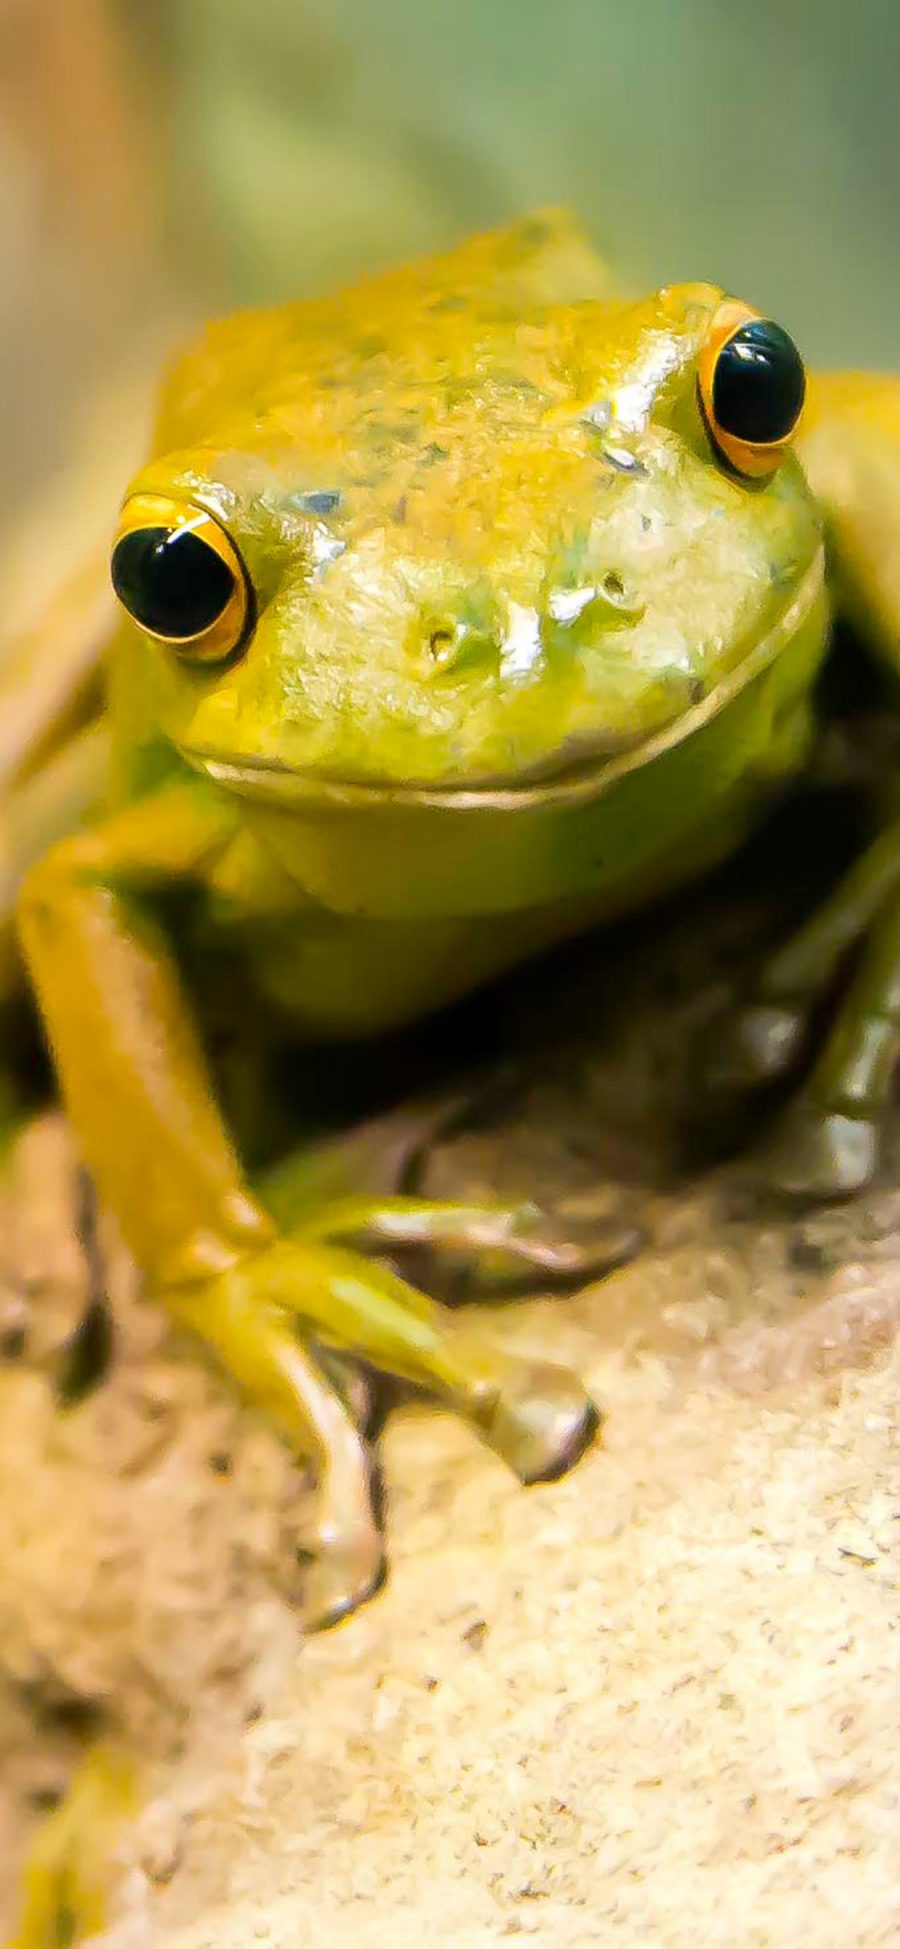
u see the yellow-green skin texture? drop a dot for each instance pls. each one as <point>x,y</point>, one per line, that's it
<point>525,653</point>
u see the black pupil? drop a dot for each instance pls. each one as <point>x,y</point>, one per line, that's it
<point>171,582</point>
<point>759,384</point>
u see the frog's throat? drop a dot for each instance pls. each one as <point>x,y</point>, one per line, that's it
<point>278,785</point>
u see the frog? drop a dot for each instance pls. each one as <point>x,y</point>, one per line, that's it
<point>464,611</point>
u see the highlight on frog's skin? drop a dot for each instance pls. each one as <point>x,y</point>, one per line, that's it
<point>752,385</point>
<point>179,576</point>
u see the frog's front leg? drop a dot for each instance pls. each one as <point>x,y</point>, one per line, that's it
<point>138,1090</point>
<point>769,1033</point>
<point>827,1145</point>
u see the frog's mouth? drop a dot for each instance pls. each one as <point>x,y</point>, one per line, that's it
<point>279,785</point>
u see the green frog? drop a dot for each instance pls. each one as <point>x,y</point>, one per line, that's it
<point>461,612</point>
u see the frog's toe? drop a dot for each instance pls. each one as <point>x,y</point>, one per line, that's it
<point>348,1568</point>
<point>496,1246</point>
<point>549,1247</point>
<point>541,1422</point>
<point>820,1154</point>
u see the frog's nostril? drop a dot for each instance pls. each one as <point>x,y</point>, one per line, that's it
<point>454,645</point>
<point>581,614</point>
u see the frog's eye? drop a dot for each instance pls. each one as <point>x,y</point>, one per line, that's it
<point>180,578</point>
<point>752,385</point>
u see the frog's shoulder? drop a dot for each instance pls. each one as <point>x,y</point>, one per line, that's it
<point>544,259</point>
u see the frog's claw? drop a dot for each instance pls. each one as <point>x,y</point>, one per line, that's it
<point>345,1569</point>
<point>544,1426</point>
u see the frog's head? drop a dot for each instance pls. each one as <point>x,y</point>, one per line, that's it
<point>465,548</point>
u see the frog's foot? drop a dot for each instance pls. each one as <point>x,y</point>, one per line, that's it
<point>71,1865</point>
<point>265,1314</point>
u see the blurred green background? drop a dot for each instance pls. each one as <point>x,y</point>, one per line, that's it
<point>758,145</point>
<point>163,161</point>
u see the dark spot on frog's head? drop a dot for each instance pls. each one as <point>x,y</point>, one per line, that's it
<point>432,454</point>
<point>448,301</point>
<point>400,507</point>
<point>321,500</point>
<point>369,347</point>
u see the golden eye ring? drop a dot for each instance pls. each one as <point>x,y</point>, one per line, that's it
<point>179,576</point>
<point>751,384</point>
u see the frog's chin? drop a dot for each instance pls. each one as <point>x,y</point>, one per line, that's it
<point>275,783</point>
